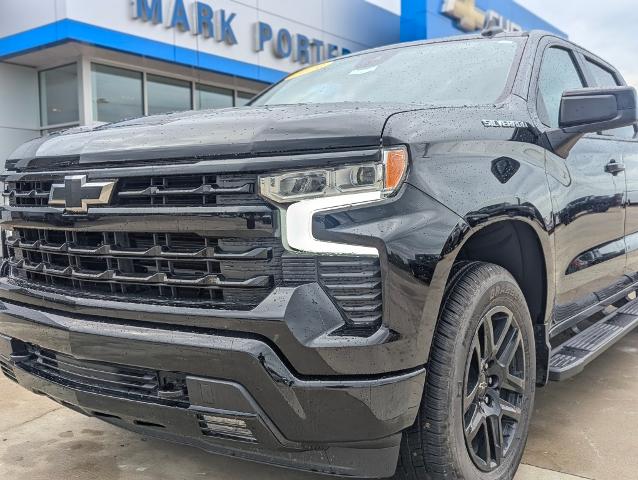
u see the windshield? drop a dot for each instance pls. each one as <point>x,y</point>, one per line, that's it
<point>450,73</point>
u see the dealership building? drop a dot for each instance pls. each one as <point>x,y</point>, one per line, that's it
<point>65,63</point>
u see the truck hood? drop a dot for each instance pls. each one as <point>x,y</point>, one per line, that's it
<point>226,133</point>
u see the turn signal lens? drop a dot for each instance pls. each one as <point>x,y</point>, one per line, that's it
<point>395,161</point>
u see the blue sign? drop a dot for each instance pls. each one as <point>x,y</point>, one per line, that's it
<point>421,19</point>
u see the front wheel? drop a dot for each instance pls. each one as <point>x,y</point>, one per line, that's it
<point>479,395</point>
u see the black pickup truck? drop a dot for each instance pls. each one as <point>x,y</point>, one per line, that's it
<point>366,272</point>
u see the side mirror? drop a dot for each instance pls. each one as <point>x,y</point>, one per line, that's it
<point>589,110</point>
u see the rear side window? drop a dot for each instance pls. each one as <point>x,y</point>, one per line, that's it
<point>558,73</point>
<point>605,78</point>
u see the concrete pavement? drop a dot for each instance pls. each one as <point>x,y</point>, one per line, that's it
<point>583,428</point>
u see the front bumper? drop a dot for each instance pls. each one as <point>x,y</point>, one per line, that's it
<point>348,425</point>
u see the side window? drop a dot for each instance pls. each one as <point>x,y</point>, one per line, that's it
<point>558,73</point>
<point>605,78</point>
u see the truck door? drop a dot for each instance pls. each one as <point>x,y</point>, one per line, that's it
<point>588,192</point>
<point>625,146</point>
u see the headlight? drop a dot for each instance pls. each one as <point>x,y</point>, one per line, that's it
<point>384,177</point>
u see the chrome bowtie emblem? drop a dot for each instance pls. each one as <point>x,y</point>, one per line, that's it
<point>76,194</point>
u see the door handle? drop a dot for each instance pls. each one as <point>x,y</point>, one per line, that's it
<point>614,167</point>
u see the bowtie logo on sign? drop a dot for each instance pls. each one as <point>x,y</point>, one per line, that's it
<point>471,18</point>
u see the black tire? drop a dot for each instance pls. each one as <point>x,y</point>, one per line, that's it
<point>478,300</point>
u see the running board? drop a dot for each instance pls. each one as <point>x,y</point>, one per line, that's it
<point>574,355</point>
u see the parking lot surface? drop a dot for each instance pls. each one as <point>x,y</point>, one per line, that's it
<point>583,428</point>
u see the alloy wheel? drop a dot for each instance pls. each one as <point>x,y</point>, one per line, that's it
<point>494,389</point>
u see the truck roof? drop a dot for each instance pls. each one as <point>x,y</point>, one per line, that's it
<point>534,35</point>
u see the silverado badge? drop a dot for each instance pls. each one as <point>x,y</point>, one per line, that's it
<point>504,124</point>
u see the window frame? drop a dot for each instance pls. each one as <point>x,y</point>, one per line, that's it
<point>579,56</point>
<point>588,58</point>
<point>45,128</point>
<point>553,44</point>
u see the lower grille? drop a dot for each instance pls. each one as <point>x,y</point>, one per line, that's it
<point>110,379</point>
<point>7,369</point>
<point>180,269</point>
<point>354,283</point>
<point>224,426</point>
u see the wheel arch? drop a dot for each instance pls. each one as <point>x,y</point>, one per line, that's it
<point>524,248</point>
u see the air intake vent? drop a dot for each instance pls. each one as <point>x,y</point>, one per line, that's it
<point>7,368</point>
<point>225,427</point>
<point>105,378</point>
<point>354,283</point>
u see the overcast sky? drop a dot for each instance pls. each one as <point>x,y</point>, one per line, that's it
<point>608,28</point>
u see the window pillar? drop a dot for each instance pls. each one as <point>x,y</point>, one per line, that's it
<point>85,92</point>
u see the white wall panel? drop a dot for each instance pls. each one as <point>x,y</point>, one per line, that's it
<point>19,111</point>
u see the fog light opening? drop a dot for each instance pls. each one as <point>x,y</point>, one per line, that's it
<point>226,427</point>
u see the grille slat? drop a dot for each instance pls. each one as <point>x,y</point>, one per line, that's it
<point>211,281</point>
<point>103,373</point>
<point>83,376</point>
<point>205,189</point>
<point>156,251</point>
<point>29,194</point>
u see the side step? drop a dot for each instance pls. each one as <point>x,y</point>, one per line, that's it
<point>573,356</point>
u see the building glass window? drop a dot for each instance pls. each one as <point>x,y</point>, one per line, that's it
<point>117,93</point>
<point>213,97</point>
<point>59,95</point>
<point>167,94</point>
<point>243,98</point>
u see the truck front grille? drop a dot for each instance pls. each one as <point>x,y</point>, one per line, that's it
<point>198,241</point>
<point>200,270</point>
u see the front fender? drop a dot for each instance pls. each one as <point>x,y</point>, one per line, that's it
<point>453,191</point>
